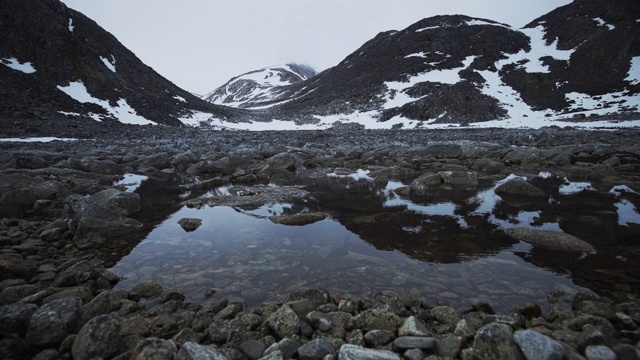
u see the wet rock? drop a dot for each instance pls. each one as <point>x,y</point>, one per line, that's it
<point>449,346</point>
<point>317,296</point>
<point>190,224</point>
<point>413,327</point>
<point>298,219</point>
<point>529,310</point>
<point>95,222</point>
<point>127,203</point>
<point>148,289</point>
<point>154,349</point>
<point>494,341</point>
<point>253,349</point>
<point>445,315</point>
<point>284,322</point>
<point>376,319</point>
<point>194,351</point>
<point>12,267</point>
<point>287,348</point>
<point>598,308</point>
<point>426,181</point>
<point>354,352</point>
<point>549,239</point>
<point>413,354</point>
<point>488,166</point>
<point>601,171</point>
<point>599,352</point>
<point>377,338</point>
<point>315,349</point>
<point>51,323</point>
<point>537,346</point>
<point>15,318</point>
<point>467,179</point>
<point>17,203</point>
<point>519,187</point>
<point>100,337</point>
<point>414,342</point>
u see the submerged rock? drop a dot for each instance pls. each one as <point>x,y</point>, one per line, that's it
<point>298,219</point>
<point>549,239</point>
<point>519,186</point>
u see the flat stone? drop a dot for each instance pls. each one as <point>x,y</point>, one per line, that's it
<point>193,351</point>
<point>537,346</point>
<point>414,342</point>
<point>599,352</point>
<point>354,352</point>
<point>148,289</point>
<point>549,239</point>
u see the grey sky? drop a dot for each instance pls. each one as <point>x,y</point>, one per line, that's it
<point>200,44</point>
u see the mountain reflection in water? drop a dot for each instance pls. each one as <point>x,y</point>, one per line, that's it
<point>447,244</point>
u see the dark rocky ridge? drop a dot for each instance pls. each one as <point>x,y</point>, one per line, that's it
<point>39,32</point>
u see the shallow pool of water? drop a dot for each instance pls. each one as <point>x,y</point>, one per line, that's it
<point>446,245</point>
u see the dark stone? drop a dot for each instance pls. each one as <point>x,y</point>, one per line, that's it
<point>315,349</point>
<point>50,324</point>
<point>148,289</point>
<point>15,318</point>
<point>190,224</point>
<point>154,349</point>
<point>12,267</point>
<point>194,351</point>
<point>99,337</point>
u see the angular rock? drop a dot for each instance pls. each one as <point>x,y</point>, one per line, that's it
<point>154,349</point>
<point>494,341</point>
<point>253,349</point>
<point>519,187</point>
<point>15,318</point>
<point>466,179</point>
<point>190,224</point>
<point>317,296</point>
<point>126,203</point>
<point>50,324</point>
<point>445,314</point>
<point>376,338</point>
<point>315,349</point>
<point>354,352</point>
<point>284,322</point>
<point>413,327</point>
<point>413,354</point>
<point>99,337</point>
<point>376,319</point>
<point>549,239</point>
<point>287,348</point>
<point>449,346</point>
<point>537,346</point>
<point>194,351</point>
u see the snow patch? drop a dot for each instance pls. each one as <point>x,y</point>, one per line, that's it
<point>70,26</point>
<point>36,139</point>
<point>13,63</point>
<point>397,96</point>
<point>428,28</point>
<point>195,118</point>
<point>633,76</point>
<point>360,174</point>
<point>601,22</point>
<point>421,54</point>
<point>131,182</point>
<point>122,112</point>
<point>180,98</point>
<point>110,64</point>
<point>603,104</point>
<point>539,49</point>
<point>482,22</point>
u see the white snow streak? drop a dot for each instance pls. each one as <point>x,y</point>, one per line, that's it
<point>428,28</point>
<point>71,25</point>
<point>180,98</point>
<point>123,112</point>
<point>633,76</point>
<point>36,139</point>
<point>601,22</point>
<point>13,63</point>
<point>110,64</point>
<point>539,49</point>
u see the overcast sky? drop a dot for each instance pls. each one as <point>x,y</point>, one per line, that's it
<point>200,44</point>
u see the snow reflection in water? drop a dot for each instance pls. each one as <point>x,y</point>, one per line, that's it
<point>436,249</point>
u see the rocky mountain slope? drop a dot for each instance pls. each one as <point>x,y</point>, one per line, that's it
<point>59,69</point>
<point>260,85</point>
<point>580,58</point>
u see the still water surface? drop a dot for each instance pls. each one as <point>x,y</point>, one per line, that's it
<point>446,245</point>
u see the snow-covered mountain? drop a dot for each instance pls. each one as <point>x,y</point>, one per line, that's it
<point>578,60</point>
<point>259,85</point>
<point>59,69</point>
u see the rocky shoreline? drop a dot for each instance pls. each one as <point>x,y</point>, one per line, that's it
<point>59,206</point>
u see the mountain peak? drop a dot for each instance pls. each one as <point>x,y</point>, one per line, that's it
<point>258,86</point>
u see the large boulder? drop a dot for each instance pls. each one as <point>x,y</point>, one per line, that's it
<point>50,324</point>
<point>518,186</point>
<point>100,337</point>
<point>126,203</point>
<point>96,222</point>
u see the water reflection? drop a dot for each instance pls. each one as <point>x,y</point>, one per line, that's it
<point>444,245</point>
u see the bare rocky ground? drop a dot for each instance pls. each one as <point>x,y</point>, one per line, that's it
<point>58,206</point>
